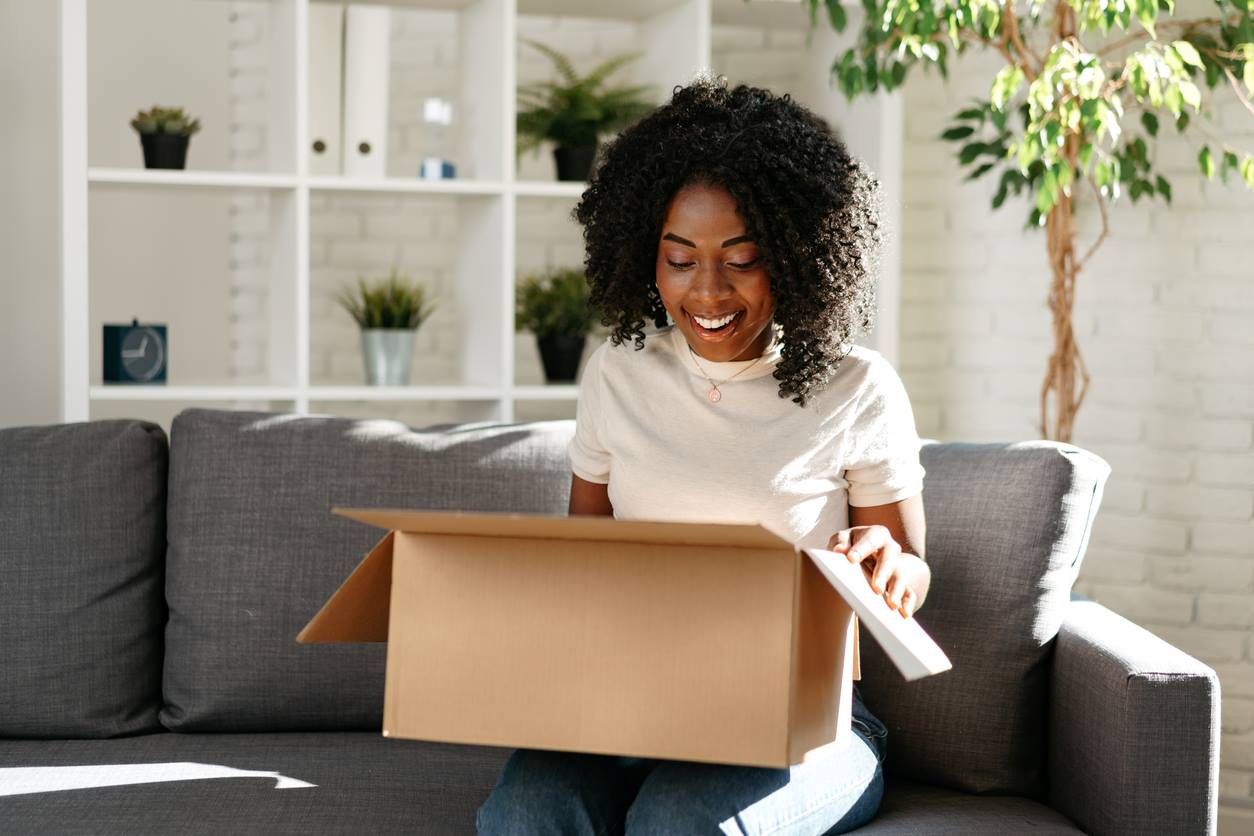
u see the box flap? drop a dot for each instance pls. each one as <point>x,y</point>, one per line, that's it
<point>487,524</point>
<point>358,611</point>
<point>911,649</point>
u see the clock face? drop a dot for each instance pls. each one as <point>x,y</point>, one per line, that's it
<point>143,353</point>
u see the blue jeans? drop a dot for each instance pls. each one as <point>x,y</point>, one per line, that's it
<point>546,792</point>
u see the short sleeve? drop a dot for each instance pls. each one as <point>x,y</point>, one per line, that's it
<point>884,464</point>
<point>589,459</point>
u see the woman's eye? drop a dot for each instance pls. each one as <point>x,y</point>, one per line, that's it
<point>744,265</point>
<point>679,265</point>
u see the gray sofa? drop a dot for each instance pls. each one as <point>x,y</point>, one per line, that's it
<point>150,593</point>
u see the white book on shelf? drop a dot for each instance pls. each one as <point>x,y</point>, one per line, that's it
<point>326,65</point>
<point>367,41</point>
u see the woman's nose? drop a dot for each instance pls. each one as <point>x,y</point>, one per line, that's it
<point>710,283</point>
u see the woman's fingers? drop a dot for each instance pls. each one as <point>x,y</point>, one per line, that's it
<point>839,541</point>
<point>885,565</point>
<point>908,601</point>
<point>895,591</point>
<point>867,540</point>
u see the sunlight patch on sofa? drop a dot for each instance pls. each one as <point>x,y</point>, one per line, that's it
<point>24,780</point>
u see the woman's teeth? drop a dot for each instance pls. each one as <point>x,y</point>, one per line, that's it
<point>714,324</point>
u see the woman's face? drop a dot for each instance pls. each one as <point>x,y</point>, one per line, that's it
<point>708,268</point>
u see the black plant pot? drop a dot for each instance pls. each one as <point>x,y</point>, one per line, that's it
<point>164,150</point>
<point>574,162</point>
<point>560,355</point>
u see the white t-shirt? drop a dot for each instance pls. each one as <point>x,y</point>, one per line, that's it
<point>645,426</point>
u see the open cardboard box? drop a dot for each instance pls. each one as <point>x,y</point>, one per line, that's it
<point>690,641</point>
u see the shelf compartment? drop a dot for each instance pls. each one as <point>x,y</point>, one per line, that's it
<point>403,393</point>
<point>451,244</point>
<point>550,188</point>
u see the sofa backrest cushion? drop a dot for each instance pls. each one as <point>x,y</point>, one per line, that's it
<point>1007,527</point>
<point>254,551</point>
<point>82,543</point>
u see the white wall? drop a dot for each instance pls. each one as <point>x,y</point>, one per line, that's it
<point>1165,321</point>
<point>30,298</point>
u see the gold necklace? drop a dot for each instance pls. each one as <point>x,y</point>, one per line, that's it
<point>714,394</point>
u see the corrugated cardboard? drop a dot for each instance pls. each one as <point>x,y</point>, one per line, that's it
<point>703,642</point>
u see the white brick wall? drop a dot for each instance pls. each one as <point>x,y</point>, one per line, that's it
<point>1165,321</point>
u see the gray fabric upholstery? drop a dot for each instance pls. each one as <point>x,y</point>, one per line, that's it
<point>82,537</point>
<point>365,784</point>
<point>1134,729</point>
<point>913,809</point>
<point>254,551</point>
<point>1007,526</point>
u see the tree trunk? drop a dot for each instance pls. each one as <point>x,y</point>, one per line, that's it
<point>1066,377</point>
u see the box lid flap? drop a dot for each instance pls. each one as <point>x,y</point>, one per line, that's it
<point>912,650</point>
<point>358,611</point>
<point>488,524</point>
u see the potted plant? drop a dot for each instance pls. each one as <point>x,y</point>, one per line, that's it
<point>389,312</point>
<point>574,112</point>
<point>554,306</point>
<point>164,133</point>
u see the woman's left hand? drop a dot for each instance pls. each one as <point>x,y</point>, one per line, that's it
<point>890,569</point>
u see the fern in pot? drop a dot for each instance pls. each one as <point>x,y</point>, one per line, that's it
<point>389,312</point>
<point>575,112</point>
<point>554,306</point>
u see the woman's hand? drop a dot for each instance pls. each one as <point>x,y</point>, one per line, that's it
<point>890,571</point>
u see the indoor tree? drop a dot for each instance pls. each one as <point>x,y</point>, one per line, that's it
<point>1071,114</point>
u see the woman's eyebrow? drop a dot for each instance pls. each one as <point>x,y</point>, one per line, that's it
<point>739,239</point>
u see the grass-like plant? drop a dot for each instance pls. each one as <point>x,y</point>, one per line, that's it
<point>392,302</point>
<point>165,120</point>
<point>575,111</point>
<point>555,303</point>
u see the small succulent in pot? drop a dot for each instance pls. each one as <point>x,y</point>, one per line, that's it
<point>389,312</point>
<point>554,306</point>
<point>164,133</point>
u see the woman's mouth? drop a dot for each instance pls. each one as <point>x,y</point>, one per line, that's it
<point>715,329</point>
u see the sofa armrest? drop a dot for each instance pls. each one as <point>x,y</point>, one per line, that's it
<point>1133,729</point>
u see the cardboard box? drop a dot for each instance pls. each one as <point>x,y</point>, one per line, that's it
<point>702,642</point>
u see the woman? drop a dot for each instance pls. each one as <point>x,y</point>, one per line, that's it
<point>740,219</point>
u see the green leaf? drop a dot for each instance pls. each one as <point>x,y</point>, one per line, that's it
<point>1188,53</point>
<point>980,171</point>
<point>1086,154</point>
<point>1247,171</point>
<point>836,15</point>
<point>1205,163</point>
<point>969,152</point>
<point>1164,188</point>
<point>1005,85</point>
<point>1150,123</point>
<point>1248,76</point>
<point>959,132</point>
<point>1230,163</point>
<point>1191,95</point>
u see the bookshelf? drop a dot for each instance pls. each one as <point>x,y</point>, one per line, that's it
<point>675,36</point>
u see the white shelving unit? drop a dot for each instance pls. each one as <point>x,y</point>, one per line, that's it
<point>676,35</point>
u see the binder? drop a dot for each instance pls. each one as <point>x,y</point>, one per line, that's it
<point>326,65</point>
<point>367,41</point>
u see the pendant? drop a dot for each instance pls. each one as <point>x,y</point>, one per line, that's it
<point>715,395</point>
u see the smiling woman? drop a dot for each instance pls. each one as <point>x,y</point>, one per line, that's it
<point>738,223</point>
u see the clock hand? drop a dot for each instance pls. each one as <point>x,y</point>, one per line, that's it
<point>139,352</point>
<point>144,344</point>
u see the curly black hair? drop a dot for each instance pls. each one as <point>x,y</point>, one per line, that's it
<point>811,207</point>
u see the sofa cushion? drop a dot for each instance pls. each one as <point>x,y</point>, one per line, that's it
<point>362,783</point>
<point>82,542</point>
<point>265,784</point>
<point>1007,527</point>
<point>254,551</point>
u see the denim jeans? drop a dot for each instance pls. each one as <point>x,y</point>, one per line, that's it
<point>546,792</point>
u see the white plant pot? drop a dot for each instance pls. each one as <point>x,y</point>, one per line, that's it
<point>387,352</point>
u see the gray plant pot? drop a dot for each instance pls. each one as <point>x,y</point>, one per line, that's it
<point>387,352</point>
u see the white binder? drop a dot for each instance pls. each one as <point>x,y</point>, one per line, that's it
<point>367,40</point>
<point>326,65</point>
